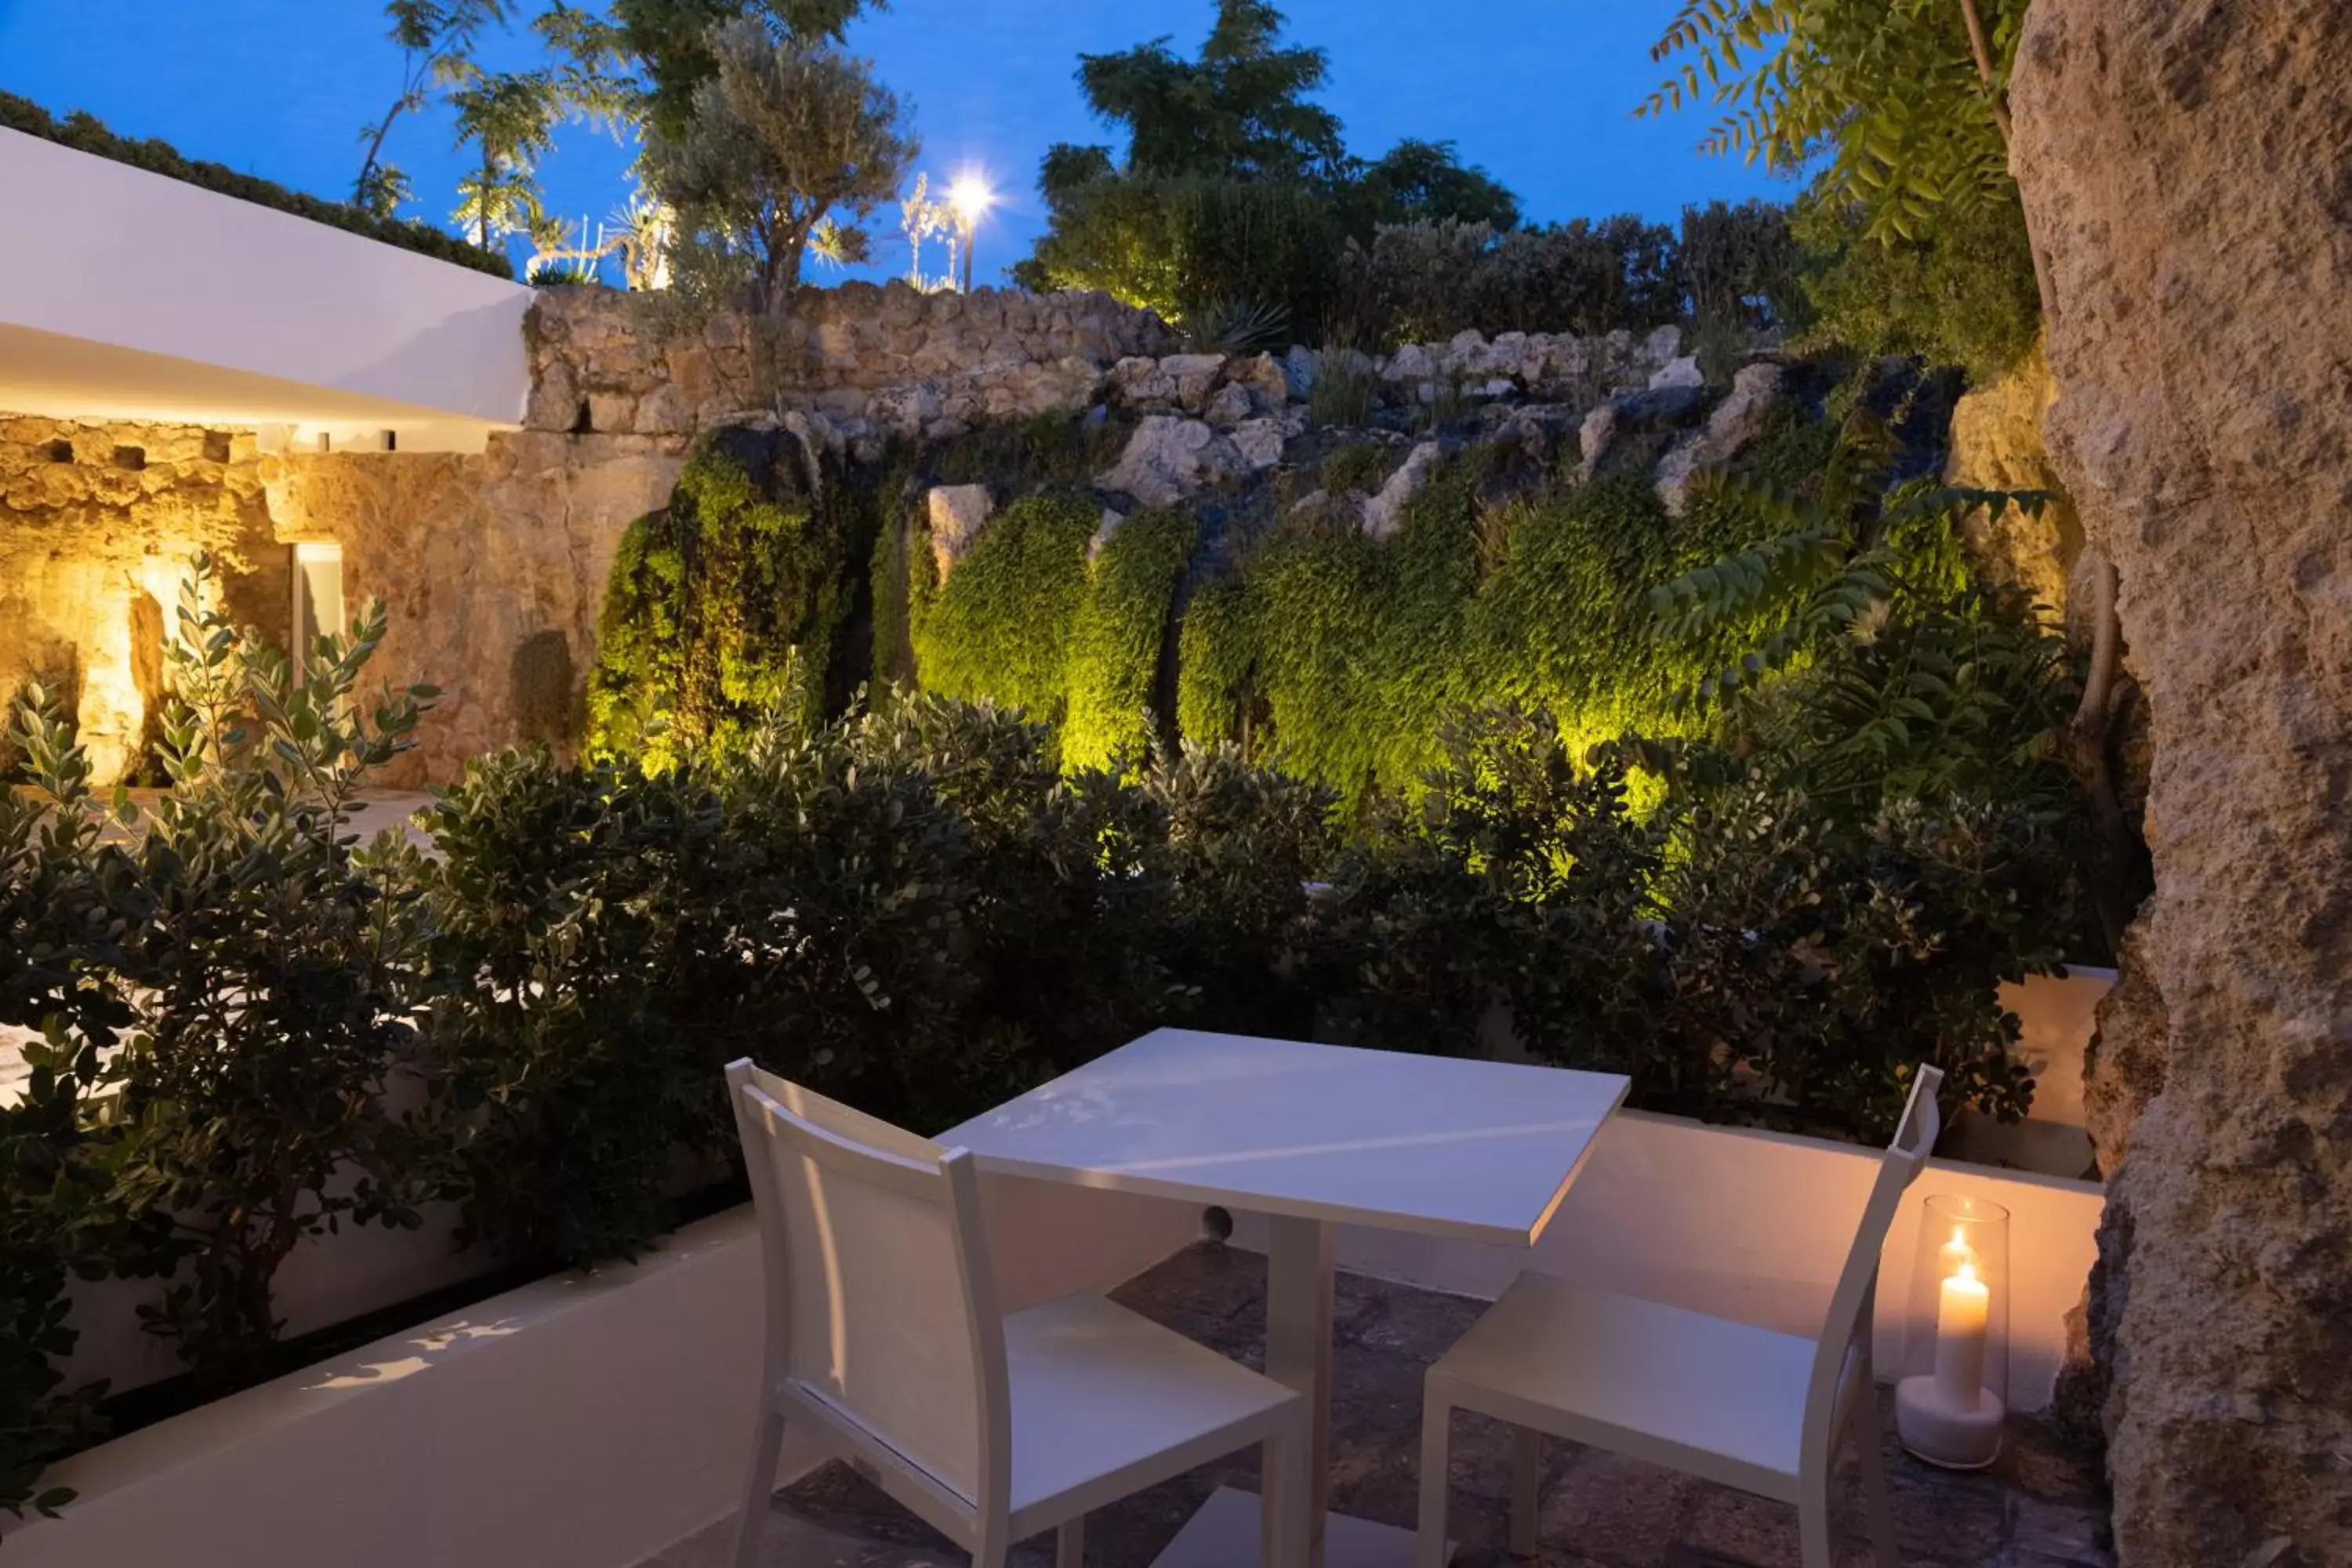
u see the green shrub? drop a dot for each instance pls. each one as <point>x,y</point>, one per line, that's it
<point>273,980</point>
<point>1356,643</point>
<point>67,899</point>
<point>727,605</point>
<point>1425,281</point>
<point>1214,653</point>
<point>1000,626</point>
<point>1517,880</point>
<point>1182,244</point>
<point>84,133</point>
<point>1359,469</point>
<point>1237,848</point>
<point>1116,644</point>
<point>1962,294</point>
<point>1738,265</point>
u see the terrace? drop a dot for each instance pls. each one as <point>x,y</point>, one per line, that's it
<point>1716,829</point>
<point>2038,1506</point>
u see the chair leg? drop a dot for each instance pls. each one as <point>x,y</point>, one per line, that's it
<point>1070,1543</point>
<point>758,1482</point>
<point>1284,1531</point>
<point>1816,1545</point>
<point>1436,1465</point>
<point>1526,1480</point>
<point>1875,1501</point>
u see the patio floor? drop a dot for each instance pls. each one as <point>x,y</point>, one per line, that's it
<point>2036,1507</point>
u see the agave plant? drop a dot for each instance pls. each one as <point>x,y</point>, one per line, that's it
<point>1221,326</point>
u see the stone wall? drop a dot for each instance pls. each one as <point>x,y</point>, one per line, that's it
<point>493,567</point>
<point>2184,168</point>
<point>97,523</point>
<point>1998,445</point>
<point>875,360</point>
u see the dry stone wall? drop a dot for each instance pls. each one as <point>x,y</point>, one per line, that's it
<point>2186,175</point>
<point>886,360</point>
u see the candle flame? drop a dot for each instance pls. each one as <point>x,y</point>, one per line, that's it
<point>1968,1274</point>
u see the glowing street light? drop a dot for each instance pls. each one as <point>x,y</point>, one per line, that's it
<point>970,196</point>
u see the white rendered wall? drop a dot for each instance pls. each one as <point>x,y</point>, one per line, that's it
<point>141,297</point>
<point>585,1421</point>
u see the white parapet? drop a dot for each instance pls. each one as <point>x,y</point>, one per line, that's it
<point>126,295</point>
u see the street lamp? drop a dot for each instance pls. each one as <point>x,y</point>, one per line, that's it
<point>970,196</point>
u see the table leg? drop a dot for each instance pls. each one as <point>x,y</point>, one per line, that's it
<point>1298,1355</point>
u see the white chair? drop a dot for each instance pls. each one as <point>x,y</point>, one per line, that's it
<point>884,1338</point>
<point>1704,1395</point>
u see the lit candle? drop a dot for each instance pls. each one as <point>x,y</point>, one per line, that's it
<point>1961,1318</point>
<point>1956,1254</point>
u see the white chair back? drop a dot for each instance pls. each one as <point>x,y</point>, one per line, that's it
<point>880,1298</point>
<point>1848,1313</point>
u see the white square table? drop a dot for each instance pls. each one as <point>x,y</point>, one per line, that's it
<point>1312,1137</point>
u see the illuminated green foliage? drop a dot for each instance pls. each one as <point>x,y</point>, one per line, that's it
<point>1000,627</point>
<point>1121,629</point>
<point>721,607</point>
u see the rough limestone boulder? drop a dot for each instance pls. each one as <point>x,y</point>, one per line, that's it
<point>957,514</point>
<point>1998,445</point>
<point>2186,177</point>
<point>1735,423</point>
<point>1169,460</point>
<point>1384,512</point>
<point>1633,429</point>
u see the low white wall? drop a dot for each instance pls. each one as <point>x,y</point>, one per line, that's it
<point>243,313</point>
<point>585,1421</point>
<point>1754,1225</point>
<point>2057,1016</point>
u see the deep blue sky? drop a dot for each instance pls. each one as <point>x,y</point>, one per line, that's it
<point>1538,92</point>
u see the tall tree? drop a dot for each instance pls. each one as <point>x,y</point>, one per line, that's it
<point>784,139</point>
<point>668,44</point>
<point>508,118</point>
<point>1426,182</point>
<point>437,38</point>
<point>1239,110</point>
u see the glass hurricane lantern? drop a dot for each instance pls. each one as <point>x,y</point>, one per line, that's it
<point>1949,1402</point>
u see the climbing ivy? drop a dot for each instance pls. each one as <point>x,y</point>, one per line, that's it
<point>1214,651</point>
<point>1339,654</point>
<point>721,608</point>
<point>1116,646</point>
<point>1000,626</point>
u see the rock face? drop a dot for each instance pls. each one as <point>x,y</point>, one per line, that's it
<point>1168,459</point>
<point>1384,512</point>
<point>97,523</point>
<point>1998,445</point>
<point>1735,423</point>
<point>957,514</point>
<point>493,568</point>
<point>2184,172</point>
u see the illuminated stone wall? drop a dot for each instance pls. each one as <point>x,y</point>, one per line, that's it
<point>492,566</point>
<point>97,523</point>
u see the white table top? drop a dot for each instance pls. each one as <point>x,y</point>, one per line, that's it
<point>1479,1150</point>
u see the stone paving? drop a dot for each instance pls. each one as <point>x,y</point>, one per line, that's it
<point>2037,1508</point>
